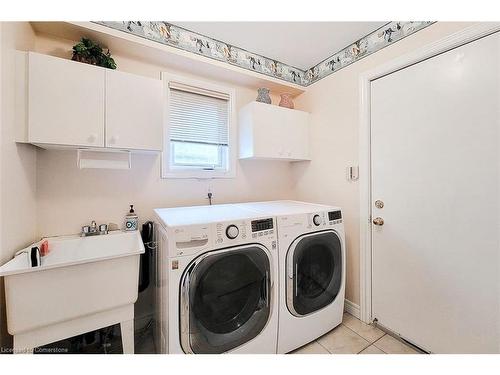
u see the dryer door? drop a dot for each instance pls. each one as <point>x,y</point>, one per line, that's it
<point>314,272</point>
<point>225,299</point>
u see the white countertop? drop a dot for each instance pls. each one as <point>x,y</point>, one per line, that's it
<point>286,207</point>
<point>196,215</point>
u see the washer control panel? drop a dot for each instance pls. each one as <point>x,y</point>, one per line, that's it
<point>262,227</point>
<point>316,220</point>
<point>262,224</point>
<point>241,231</point>
<point>232,232</point>
<point>226,232</point>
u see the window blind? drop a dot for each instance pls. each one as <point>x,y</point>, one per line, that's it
<point>198,115</point>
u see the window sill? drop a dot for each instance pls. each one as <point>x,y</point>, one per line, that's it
<point>198,175</point>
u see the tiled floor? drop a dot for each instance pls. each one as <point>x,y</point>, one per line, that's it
<point>355,337</point>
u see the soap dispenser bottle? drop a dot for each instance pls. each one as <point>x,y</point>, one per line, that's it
<point>131,220</point>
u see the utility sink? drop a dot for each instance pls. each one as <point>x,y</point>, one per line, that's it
<point>83,284</point>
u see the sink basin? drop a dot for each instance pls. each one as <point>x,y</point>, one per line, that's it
<point>81,283</point>
<point>73,250</point>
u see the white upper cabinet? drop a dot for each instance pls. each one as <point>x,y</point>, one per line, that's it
<point>65,102</point>
<point>272,132</point>
<point>72,104</point>
<point>134,111</point>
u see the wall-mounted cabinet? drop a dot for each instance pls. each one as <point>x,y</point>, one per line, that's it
<point>65,102</point>
<point>272,132</point>
<point>134,111</point>
<point>72,104</point>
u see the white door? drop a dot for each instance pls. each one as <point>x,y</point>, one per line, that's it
<point>435,166</point>
<point>66,102</point>
<point>134,111</point>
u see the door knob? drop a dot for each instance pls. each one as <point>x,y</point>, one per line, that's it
<point>378,221</point>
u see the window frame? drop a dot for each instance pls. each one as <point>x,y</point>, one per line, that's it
<point>223,157</point>
<point>170,171</point>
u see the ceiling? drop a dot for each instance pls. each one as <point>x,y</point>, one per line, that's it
<point>285,41</point>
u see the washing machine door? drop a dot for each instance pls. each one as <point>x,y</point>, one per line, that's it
<point>314,272</point>
<point>225,299</point>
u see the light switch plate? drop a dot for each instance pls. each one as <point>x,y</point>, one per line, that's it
<point>352,173</point>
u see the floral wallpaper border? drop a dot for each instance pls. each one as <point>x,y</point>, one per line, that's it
<point>384,36</point>
<point>175,36</point>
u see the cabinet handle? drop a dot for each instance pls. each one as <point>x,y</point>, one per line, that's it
<point>113,139</point>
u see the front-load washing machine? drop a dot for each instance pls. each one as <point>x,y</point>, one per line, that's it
<point>216,273</point>
<point>312,257</point>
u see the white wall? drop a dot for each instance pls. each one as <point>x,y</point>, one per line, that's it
<point>68,198</point>
<point>334,106</point>
<point>17,162</point>
<point>43,193</point>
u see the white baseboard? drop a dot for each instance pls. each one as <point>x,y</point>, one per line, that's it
<point>352,308</point>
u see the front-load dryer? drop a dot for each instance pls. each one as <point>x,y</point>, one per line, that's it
<point>216,276</point>
<point>312,267</point>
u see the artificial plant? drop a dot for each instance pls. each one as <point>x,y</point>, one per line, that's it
<point>90,52</point>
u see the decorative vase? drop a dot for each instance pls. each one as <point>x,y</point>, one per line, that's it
<point>263,95</point>
<point>286,101</point>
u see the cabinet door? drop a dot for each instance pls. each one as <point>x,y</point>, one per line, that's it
<point>134,112</point>
<point>295,134</point>
<point>281,133</point>
<point>268,131</point>
<point>66,102</point>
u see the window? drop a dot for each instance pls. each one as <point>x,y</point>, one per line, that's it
<point>198,131</point>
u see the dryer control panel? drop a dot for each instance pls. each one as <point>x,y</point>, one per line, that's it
<point>335,217</point>
<point>319,219</point>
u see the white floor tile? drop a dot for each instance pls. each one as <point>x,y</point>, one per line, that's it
<point>311,348</point>
<point>390,345</point>
<point>368,332</point>
<point>372,349</point>
<point>343,341</point>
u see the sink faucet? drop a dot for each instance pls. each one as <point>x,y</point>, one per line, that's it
<point>91,230</point>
